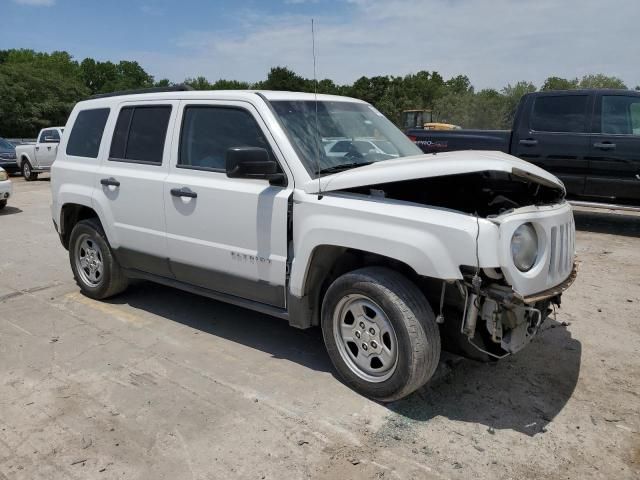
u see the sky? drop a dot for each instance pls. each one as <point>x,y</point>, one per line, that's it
<point>494,42</point>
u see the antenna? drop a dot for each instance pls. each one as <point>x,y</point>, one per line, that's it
<point>315,96</point>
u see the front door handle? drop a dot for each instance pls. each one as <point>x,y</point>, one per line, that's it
<point>529,142</point>
<point>37,148</point>
<point>183,192</point>
<point>110,182</point>
<point>605,146</point>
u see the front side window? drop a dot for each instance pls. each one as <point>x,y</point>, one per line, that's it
<point>620,115</point>
<point>565,113</point>
<point>354,128</point>
<point>208,132</point>
<point>140,134</point>
<point>86,134</point>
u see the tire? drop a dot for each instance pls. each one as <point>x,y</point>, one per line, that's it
<point>3,203</point>
<point>27,171</point>
<point>399,314</point>
<point>88,246</point>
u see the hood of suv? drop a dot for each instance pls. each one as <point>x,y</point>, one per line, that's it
<point>431,166</point>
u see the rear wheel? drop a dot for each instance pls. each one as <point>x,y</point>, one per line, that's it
<point>27,171</point>
<point>94,267</point>
<point>380,333</point>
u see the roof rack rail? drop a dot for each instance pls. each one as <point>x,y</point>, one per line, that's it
<point>175,88</point>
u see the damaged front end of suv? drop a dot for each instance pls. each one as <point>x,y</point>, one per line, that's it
<point>519,245</point>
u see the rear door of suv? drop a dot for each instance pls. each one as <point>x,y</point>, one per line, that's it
<point>130,184</point>
<point>615,147</point>
<point>555,136</point>
<point>225,234</point>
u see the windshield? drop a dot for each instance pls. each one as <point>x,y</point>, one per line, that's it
<point>348,135</point>
<point>5,145</point>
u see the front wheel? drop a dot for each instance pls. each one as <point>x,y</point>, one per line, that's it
<point>27,172</point>
<point>380,333</point>
<point>3,203</point>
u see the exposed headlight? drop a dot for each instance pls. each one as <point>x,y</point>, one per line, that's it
<point>3,176</point>
<point>524,247</point>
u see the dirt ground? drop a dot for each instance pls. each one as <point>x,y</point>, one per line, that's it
<point>161,384</point>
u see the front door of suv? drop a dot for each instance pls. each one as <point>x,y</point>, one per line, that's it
<point>130,184</point>
<point>225,234</point>
<point>555,136</point>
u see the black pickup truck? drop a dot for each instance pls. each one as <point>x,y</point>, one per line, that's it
<point>590,139</point>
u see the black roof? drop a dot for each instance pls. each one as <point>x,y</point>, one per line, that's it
<point>174,88</point>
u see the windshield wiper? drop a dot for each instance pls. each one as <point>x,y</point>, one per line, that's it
<point>344,166</point>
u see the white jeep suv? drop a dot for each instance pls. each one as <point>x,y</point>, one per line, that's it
<point>231,195</point>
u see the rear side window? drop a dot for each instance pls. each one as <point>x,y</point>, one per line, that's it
<point>86,134</point>
<point>560,114</point>
<point>208,132</point>
<point>140,134</point>
<point>620,115</point>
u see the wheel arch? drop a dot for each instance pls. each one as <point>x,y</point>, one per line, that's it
<point>327,263</point>
<point>70,215</point>
<point>23,157</point>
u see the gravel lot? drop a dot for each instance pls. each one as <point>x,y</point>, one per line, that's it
<point>158,383</point>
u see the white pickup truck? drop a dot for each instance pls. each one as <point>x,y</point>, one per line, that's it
<point>241,196</point>
<point>34,158</point>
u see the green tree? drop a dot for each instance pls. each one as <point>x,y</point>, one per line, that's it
<point>559,83</point>
<point>33,97</point>
<point>198,83</point>
<point>281,78</point>
<point>602,81</point>
<point>104,77</point>
<point>513,94</point>
<point>230,85</point>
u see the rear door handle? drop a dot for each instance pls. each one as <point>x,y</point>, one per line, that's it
<point>48,148</point>
<point>183,192</point>
<point>529,142</point>
<point>110,182</point>
<point>605,146</point>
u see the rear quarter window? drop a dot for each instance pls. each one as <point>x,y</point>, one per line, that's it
<point>86,133</point>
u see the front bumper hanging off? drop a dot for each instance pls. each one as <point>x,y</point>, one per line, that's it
<point>511,321</point>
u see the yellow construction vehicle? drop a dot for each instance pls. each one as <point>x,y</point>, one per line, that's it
<point>423,119</point>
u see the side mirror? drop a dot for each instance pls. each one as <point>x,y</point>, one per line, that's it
<point>253,162</point>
